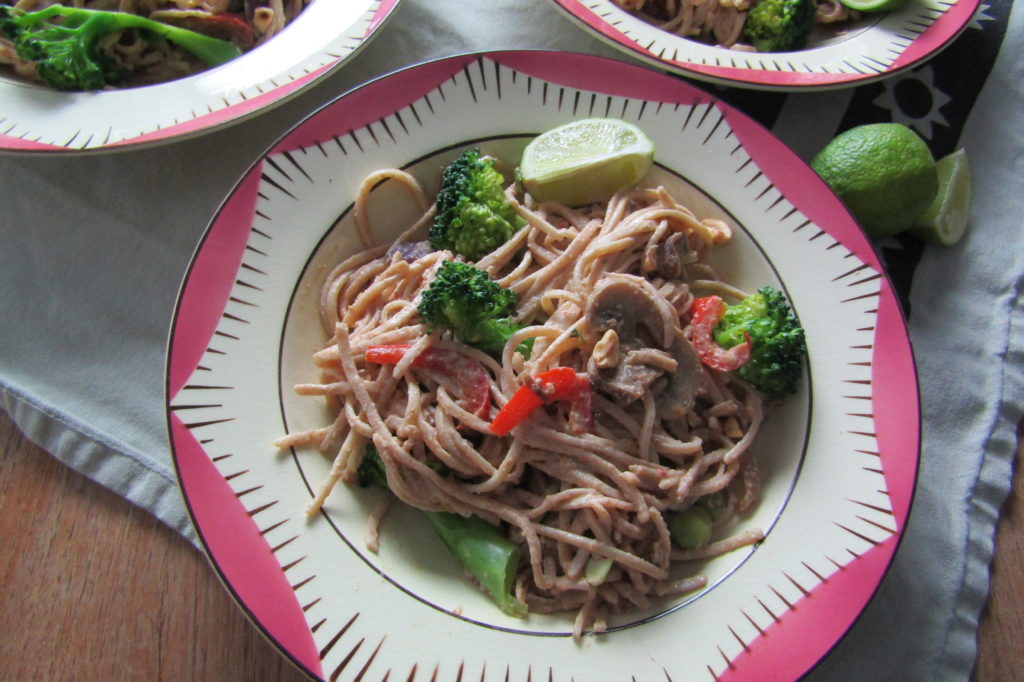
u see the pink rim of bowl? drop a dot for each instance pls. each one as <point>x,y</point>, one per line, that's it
<point>912,45</point>
<point>284,87</point>
<point>241,554</point>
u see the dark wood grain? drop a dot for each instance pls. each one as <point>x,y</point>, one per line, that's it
<point>96,589</point>
<point>1001,656</point>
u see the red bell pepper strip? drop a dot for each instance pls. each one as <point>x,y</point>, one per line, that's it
<point>517,409</point>
<point>471,376</point>
<point>225,26</point>
<point>560,383</point>
<point>707,312</point>
<point>387,355</point>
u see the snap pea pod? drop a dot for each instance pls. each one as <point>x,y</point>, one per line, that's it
<point>690,528</point>
<point>483,551</point>
<point>480,547</point>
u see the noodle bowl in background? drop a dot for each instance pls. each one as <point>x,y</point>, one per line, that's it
<point>317,43</point>
<point>245,23</point>
<point>566,497</point>
<point>720,22</point>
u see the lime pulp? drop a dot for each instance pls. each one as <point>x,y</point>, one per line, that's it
<point>585,161</point>
<point>874,5</point>
<point>945,221</point>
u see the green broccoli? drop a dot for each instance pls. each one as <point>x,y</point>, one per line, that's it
<point>779,25</point>
<point>64,44</point>
<point>466,300</point>
<point>776,338</point>
<point>473,216</point>
<point>371,471</point>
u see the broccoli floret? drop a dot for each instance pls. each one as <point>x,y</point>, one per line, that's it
<point>779,25</point>
<point>776,339</point>
<point>473,216</point>
<point>64,44</point>
<point>371,471</point>
<point>466,300</point>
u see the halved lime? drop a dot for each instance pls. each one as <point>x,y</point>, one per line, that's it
<point>945,221</point>
<point>585,161</point>
<point>874,5</point>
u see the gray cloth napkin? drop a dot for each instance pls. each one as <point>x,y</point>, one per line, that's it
<point>93,249</point>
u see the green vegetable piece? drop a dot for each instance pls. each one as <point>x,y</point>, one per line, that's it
<point>777,340</point>
<point>371,470</point>
<point>466,300</point>
<point>473,216</point>
<point>691,528</point>
<point>779,25</point>
<point>481,548</point>
<point>714,504</point>
<point>874,5</point>
<point>485,552</point>
<point>596,571</point>
<point>64,43</point>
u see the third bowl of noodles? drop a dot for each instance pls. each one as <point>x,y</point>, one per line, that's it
<point>101,76</point>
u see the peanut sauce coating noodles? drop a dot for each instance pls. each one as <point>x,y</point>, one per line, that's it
<point>589,483</point>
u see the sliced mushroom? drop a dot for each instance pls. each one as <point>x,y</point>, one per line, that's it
<point>628,380</point>
<point>411,251</point>
<point>626,302</point>
<point>662,259</point>
<point>654,354</point>
<point>678,395</point>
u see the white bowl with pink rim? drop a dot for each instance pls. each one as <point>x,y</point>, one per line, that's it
<point>839,458</point>
<point>35,118</point>
<point>837,55</point>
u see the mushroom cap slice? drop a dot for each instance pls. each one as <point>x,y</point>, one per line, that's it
<point>655,355</point>
<point>680,393</point>
<point>625,303</point>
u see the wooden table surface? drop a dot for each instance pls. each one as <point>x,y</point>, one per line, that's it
<point>96,589</point>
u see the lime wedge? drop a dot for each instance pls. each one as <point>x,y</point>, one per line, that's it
<point>585,161</point>
<point>874,5</point>
<point>945,221</point>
